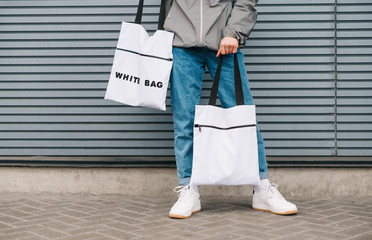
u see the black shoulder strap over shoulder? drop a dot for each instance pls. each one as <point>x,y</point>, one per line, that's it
<point>161,19</point>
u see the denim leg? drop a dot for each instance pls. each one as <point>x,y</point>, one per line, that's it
<point>186,83</point>
<point>226,92</point>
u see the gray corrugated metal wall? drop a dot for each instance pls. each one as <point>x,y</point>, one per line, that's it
<point>354,78</point>
<point>309,63</point>
<point>290,61</point>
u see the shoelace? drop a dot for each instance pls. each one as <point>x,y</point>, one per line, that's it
<point>180,190</point>
<point>183,191</point>
<point>274,191</point>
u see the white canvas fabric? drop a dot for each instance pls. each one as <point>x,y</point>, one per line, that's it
<point>225,145</point>
<point>141,68</point>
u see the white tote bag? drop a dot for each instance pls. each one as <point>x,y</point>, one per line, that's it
<point>142,65</point>
<point>225,140</point>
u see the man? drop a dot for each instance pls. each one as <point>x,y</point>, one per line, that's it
<point>205,29</point>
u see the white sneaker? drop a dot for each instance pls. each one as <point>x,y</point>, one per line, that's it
<point>269,199</point>
<point>187,204</point>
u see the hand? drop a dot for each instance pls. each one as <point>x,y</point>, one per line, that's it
<point>228,45</point>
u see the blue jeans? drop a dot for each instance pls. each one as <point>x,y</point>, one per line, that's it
<point>186,87</point>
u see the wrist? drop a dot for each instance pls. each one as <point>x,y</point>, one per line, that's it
<point>227,32</point>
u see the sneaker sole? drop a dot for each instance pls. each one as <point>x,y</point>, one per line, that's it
<point>182,217</point>
<point>284,213</point>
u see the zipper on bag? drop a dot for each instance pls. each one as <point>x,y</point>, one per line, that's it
<point>144,55</point>
<point>200,126</point>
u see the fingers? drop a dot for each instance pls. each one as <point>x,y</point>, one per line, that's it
<point>228,49</point>
<point>223,50</point>
<point>228,45</point>
<point>231,49</point>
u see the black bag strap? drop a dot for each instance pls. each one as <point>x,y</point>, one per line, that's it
<point>161,19</point>
<point>237,82</point>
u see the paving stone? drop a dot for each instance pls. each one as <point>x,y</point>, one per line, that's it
<point>159,223</point>
<point>367,224</point>
<point>5,226</point>
<point>31,223</point>
<point>17,235</point>
<point>353,231</point>
<point>57,207</point>
<point>226,237</point>
<point>186,226</point>
<point>339,217</point>
<point>26,208</point>
<point>37,203</point>
<point>331,212</point>
<point>131,214</point>
<point>249,219</point>
<point>365,214</point>
<point>97,218</point>
<point>33,238</point>
<point>311,219</point>
<point>117,234</point>
<point>16,213</point>
<point>251,226</point>
<point>256,235</point>
<point>319,227</point>
<point>325,234</point>
<point>153,230</point>
<point>162,236</point>
<point>128,220</point>
<point>285,231</point>
<point>172,238</point>
<point>20,229</point>
<point>283,223</point>
<point>140,204</point>
<point>296,236</point>
<point>139,209</point>
<point>154,217</point>
<point>115,217</point>
<point>68,220</point>
<point>122,226</point>
<point>87,229</point>
<point>49,233</point>
<point>327,206</point>
<point>196,220</point>
<point>181,234</point>
<point>222,230</point>
<point>346,224</point>
<point>74,213</point>
<point>88,236</point>
<point>5,219</point>
<point>363,219</point>
<point>218,223</point>
<point>41,215</point>
<point>366,236</point>
<point>351,208</point>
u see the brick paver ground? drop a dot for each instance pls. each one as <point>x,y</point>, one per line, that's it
<point>80,217</point>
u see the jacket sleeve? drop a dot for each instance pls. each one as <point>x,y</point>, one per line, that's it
<point>242,20</point>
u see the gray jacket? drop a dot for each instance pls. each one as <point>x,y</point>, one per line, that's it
<point>203,23</point>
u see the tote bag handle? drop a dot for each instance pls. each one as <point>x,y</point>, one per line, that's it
<point>161,14</point>
<point>237,82</point>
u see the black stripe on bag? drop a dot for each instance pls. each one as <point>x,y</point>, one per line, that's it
<point>144,55</point>
<point>220,128</point>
